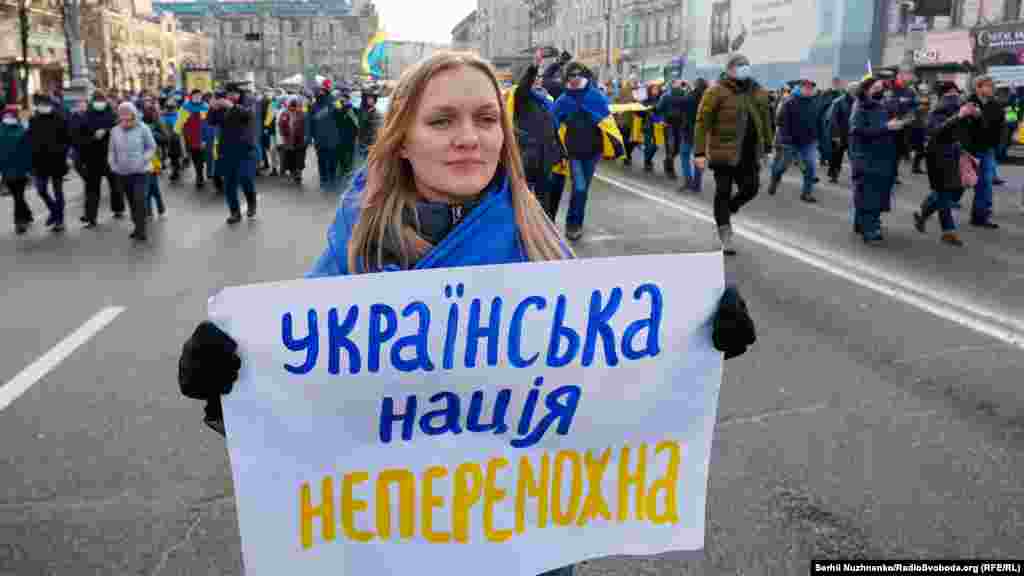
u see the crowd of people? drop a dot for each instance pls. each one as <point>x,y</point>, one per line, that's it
<point>136,141</point>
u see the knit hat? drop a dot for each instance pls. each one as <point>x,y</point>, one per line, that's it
<point>737,60</point>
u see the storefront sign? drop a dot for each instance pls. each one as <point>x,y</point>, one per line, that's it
<point>992,42</point>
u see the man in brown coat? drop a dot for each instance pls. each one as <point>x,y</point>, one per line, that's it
<point>733,131</point>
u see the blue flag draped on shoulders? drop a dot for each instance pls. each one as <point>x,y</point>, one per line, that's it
<point>487,235</point>
<point>594,103</point>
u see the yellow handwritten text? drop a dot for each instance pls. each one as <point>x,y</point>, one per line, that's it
<point>552,490</point>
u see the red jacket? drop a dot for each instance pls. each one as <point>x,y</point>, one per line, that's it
<point>293,128</point>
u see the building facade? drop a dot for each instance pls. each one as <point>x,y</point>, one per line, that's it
<point>47,52</point>
<point>403,55</point>
<point>464,35</point>
<point>270,41</point>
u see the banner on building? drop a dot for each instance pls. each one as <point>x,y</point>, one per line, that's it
<point>505,419</point>
<point>765,31</point>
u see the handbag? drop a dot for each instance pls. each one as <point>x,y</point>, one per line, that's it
<point>968,170</point>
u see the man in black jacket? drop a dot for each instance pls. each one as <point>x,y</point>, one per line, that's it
<point>93,139</point>
<point>50,140</point>
<point>239,152</point>
<point>985,131</point>
<point>672,107</point>
<point>839,126</point>
<point>539,145</point>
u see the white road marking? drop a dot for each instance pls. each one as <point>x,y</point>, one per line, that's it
<point>998,325</point>
<point>32,373</point>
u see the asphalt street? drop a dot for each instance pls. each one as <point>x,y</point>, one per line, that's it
<point>880,413</point>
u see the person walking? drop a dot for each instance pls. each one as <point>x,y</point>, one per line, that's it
<point>193,127</point>
<point>902,103</point>
<point>404,176</point>
<point>292,127</point>
<point>49,137</point>
<point>348,134</point>
<point>154,199</point>
<point>590,133</point>
<point>798,137</point>
<point>839,127</point>
<point>16,165</point>
<point>369,123</point>
<point>919,129</point>
<point>130,155</point>
<point>238,153</point>
<point>654,126</point>
<point>948,126</point>
<point>693,178</point>
<point>94,142</point>
<point>731,134</point>
<point>324,135</point>
<point>169,117</point>
<point>672,108</point>
<point>874,151</point>
<point>985,130</point>
<point>537,135</point>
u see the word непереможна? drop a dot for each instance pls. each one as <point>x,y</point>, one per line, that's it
<point>537,483</point>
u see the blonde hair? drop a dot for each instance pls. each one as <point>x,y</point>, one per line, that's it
<point>391,190</point>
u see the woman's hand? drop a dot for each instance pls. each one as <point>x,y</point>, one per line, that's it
<point>208,368</point>
<point>733,327</point>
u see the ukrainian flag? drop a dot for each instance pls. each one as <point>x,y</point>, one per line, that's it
<point>375,54</point>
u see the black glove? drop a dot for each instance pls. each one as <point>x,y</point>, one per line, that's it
<point>733,327</point>
<point>209,367</point>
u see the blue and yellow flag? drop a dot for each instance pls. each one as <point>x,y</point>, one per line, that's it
<point>375,55</point>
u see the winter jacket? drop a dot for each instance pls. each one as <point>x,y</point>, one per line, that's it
<point>323,124</point>
<point>193,125</point>
<point>369,123</point>
<point>672,108</point>
<point>839,115</point>
<point>987,129</point>
<point>170,120</point>
<point>691,104</point>
<point>872,155</point>
<point>50,139</point>
<point>946,134</point>
<point>92,150</point>
<point>131,151</point>
<point>348,128</point>
<point>236,138</point>
<point>726,111</point>
<point>902,102</point>
<point>292,126</point>
<point>15,153</point>
<point>799,121</point>
<point>585,122</point>
<point>536,129</point>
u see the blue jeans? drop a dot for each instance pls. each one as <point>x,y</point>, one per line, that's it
<point>54,204</point>
<point>582,174</point>
<point>807,153</point>
<point>650,148</point>
<point>236,174</point>
<point>694,176</point>
<point>942,202</point>
<point>327,164</point>
<point>153,194</point>
<point>981,211</point>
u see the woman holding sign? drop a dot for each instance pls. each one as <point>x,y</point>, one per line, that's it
<point>444,187</point>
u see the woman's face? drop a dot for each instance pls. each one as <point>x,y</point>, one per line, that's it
<point>126,117</point>
<point>454,144</point>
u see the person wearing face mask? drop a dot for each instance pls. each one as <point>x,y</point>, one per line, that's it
<point>798,137</point>
<point>948,128</point>
<point>237,153</point>
<point>588,132</point>
<point>323,134</point>
<point>94,139</point>
<point>192,125</point>
<point>733,131</point>
<point>442,189</point>
<point>873,156</point>
<point>348,133</point>
<point>50,140</point>
<point>16,165</point>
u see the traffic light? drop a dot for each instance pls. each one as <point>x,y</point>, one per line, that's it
<point>253,37</point>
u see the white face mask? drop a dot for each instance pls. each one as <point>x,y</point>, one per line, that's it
<point>44,108</point>
<point>9,120</point>
<point>99,105</point>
